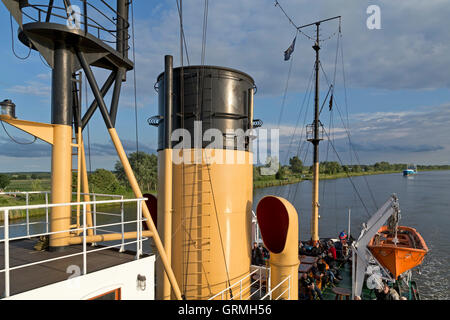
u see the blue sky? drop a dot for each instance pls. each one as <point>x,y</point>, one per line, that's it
<point>397,78</point>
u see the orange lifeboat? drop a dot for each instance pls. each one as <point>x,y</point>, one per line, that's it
<point>401,255</point>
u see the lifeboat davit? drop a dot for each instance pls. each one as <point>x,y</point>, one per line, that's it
<point>401,255</point>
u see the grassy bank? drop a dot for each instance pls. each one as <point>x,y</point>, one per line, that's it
<point>20,200</point>
<point>273,182</point>
<point>45,184</point>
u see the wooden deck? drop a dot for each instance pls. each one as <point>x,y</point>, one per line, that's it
<point>33,277</point>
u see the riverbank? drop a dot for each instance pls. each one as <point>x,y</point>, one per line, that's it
<point>10,201</point>
<point>292,180</point>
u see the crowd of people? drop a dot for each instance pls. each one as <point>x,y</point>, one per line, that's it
<point>331,256</point>
<point>324,272</point>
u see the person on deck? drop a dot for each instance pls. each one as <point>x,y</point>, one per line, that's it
<point>316,250</point>
<point>301,249</point>
<point>317,274</point>
<point>265,254</point>
<point>257,257</point>
<point>332,264</point>
<point>341,248</point>
<point>387,293</point>
<point>329,274</point>
<point>332,249</point>
<point>309,287</point>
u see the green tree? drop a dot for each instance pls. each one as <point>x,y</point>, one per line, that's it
<point>145,168</point>
<point>296,165</point>
<point>256,173</point>
<point>4,181</point>
<point>104,181</point>
<point>328,167</point>
<point>382,166</point>
<point>281,174</point>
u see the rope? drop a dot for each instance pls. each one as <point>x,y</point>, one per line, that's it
<point>180,13</point>
<point>351,144</point>
<point>299,116</point>
<point>205,27</point>
<point>12,43</point>
<point>277,4</point>
<point>283,102</point>
<point>14,140</point>
<point>88,125</point>
<point>135,86</point>
<point>348,175</point>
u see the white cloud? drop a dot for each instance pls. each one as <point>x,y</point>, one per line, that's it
<point>34,88</point>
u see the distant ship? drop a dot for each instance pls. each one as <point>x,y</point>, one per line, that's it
<point>410,170</point>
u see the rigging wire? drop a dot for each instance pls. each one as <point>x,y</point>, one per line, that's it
<point>303,143</point>
<point>351,144</point>
<point>283,102</point>
<point>203,57</point>
<point>348,175</point>
<point>299,116</point>
<point>205,27</point>
<point>12,42</point>
<point>135,85</point>
<point>180,13</point>
<point>277,4</point>
<point>14,140</point>
<point>88,124</point>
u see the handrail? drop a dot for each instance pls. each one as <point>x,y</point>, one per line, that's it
<point>240,282</point>
<point>269,294</point>
<point>56,205</point>
<point>110,25</point>
<point>230,287</point>
<point>6,238</point>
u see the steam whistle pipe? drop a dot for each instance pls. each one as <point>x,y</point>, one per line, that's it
<point>129,172</point>
<point>278,222</point>
<point>166,161</point>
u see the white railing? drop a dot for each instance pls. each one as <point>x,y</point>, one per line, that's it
<point>288,290</point>
<point>46,194</point>
<point>6,238</point>
<point>27,202</point>
<point>243,290</point>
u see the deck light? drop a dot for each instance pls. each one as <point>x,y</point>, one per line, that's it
<point>142,282</point>
<point>7,109</point>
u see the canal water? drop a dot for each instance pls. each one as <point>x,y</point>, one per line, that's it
<point>424,203</point>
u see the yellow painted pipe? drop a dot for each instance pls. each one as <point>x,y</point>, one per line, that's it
<point>85,188</point>
<point>137,191</point>
<point>78,147</point>
<point>315,206</point>
<point>278,222</point>
<point>61,185</point>
<point>109,237</point>
<point>165,209</point>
